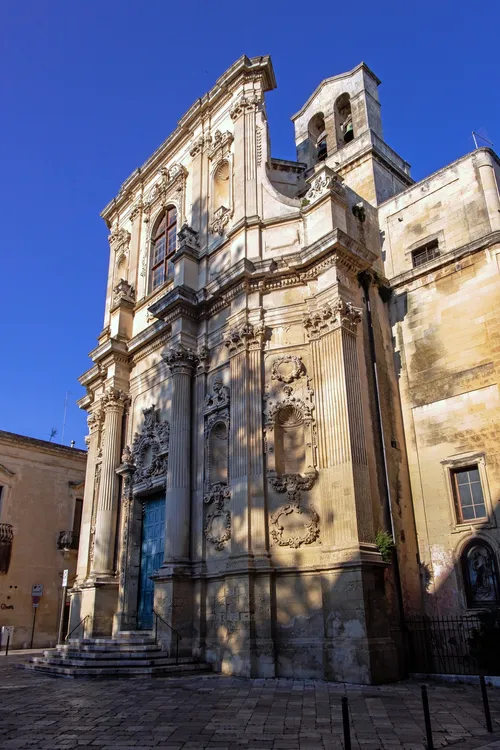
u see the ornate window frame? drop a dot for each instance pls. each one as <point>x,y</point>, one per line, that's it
<point>219,153</point>
<point>450,465</point>
<point>296,481</point>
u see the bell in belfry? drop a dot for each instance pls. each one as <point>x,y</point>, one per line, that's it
<point>348,131</point>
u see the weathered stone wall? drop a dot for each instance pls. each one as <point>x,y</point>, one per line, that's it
<point>41,482</point>
<point>446,330</point>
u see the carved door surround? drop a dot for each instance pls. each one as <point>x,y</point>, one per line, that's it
<point>216,494</point>
<point>149,453</point>
<point>290,445</point>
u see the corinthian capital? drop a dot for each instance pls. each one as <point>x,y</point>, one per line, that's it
<point>114,399</point>
<point>94,420</point>
<point>330,317</point>
<point>246,336</point>
<point>244,104</point>
<point>180,359</point>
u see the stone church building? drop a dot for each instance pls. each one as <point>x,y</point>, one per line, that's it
<point>296,356</point>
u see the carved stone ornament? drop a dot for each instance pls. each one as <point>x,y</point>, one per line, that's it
<point>287,368</point>
<point>123,292</point>
<point>245,336</point>
<point>221,143</point>
<point>200,145</point>
<point>244,104</point>
<point>203,357</point>
<point>180,359</point>
<point>218,494</point>
<point>323,184</point>
<point>217,400</point>
<point>329,317</point>
<point>218,527</point>
<point>114,398</point>
<point>150,448</point>
<point>119,239</point>
<point>221,219</point>
<point>293,525</point>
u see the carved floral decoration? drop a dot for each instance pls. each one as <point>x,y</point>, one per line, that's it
<point>286,536</point>
<point>329,317</point>
<point>290,444</point>
<point>149,452</point>
<point>217,493</point>
<point>119,239</point>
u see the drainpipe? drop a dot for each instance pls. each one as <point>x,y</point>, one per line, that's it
<point>365,279</point>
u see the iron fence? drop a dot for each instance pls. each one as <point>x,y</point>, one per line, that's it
<point>443,645</point>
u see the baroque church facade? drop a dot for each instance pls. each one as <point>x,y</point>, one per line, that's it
<point>287,368</point>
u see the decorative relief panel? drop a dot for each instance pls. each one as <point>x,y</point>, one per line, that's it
<point>290,445</point>
<point>149,453</point>
<point>217,491</point>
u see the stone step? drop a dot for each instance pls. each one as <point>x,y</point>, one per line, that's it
<point>74,653</point>
<point>126,642</point>
<point>170,670</point>
<point>110,646</point>
<point>83,661</point>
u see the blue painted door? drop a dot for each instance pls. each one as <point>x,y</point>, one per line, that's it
<point>152,546</point>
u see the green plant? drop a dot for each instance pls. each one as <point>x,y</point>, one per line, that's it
<point>385,545</point>
<point>304,202</point>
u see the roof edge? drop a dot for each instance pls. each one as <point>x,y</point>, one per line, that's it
<point>360,66</point>
<point>243,64</point>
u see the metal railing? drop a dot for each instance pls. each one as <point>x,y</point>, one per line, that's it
<point>6,536</point>
<point>178,636</point>
<point>82,622</point>
<point>442,645</point>
<point>67,540</point>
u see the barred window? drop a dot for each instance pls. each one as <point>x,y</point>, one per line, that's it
<point>425,253</point>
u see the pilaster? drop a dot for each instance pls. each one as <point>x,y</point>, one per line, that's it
<point>173,590</point>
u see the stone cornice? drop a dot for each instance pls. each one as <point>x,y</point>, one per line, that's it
<point>244,66</point>
<point>180,299</point>
<point>12,438</point>
<point>112,347</point>
<point>90,376</point>
<point>403,279</point>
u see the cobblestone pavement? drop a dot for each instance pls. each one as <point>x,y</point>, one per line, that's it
<point>223,713</point>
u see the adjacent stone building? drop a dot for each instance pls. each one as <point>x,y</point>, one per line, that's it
<point>41,500</point>
<point>250,431</point>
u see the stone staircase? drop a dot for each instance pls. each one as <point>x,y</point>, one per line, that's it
<point>132,654</point>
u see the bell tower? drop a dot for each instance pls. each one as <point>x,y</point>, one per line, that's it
<point>340,124</point>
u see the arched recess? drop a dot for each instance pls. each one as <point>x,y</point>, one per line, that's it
<point>222,196</point>
<point>290,444</point>
<point>480,574</point>
<point>343,120</point>
<point>218,453</point>
<point>318,149</point>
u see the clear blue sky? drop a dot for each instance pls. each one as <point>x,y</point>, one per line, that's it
<point>89,88</point>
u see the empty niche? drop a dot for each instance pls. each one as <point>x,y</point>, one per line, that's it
<point>290,441</point>
<point>221,186</point>
<point>218,454</point>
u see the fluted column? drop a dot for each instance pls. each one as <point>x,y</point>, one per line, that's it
<point>181,362</point>
<point>246,451</point>
<point>114,403</point>
<point>341,436</point>
<point>94,421</point>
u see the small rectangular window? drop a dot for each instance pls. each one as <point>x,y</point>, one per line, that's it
<point>425,253</point>
<point>469,498</point>
<point>77,518</point>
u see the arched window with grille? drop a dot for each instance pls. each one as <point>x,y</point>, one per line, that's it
<point>480,573</point>
<point>163,246</point>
